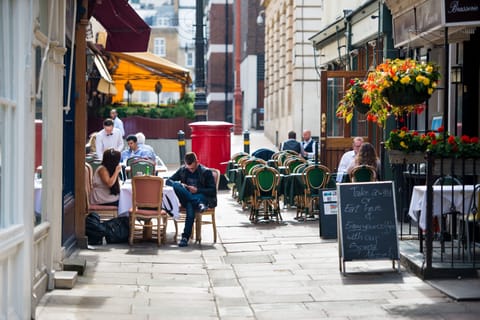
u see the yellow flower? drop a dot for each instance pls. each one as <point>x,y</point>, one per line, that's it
<point>405,80</point>
<point>403,144</point>
<point>402,134</point>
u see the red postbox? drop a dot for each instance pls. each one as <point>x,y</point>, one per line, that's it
<point>211,142</point>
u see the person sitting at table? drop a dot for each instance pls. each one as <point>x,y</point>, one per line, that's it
<point>292,144</point>
<point>134,150</point>
<point>366,156</point>
<point>309,145</point>
<point>195,188</point>
<point>141,144</point>
<point>348,158</point>
<point>106,186</point>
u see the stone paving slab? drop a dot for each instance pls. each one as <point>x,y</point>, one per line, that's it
<point>254,271</point>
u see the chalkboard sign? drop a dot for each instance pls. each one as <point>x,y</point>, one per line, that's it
<point>328,213</point>
<point>368,227</point>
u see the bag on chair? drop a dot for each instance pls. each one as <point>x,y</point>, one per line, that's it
<point>117,230</point>
<point>94,229</point>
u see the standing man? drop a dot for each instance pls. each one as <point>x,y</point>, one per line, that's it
<point>309,145</point>
<point>108,137</point>
<point>292,144</point>
<point>117,122</point>
<point>348,158</point>
<point>195,188</point>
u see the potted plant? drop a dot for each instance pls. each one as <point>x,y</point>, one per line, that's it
<point>352,100</point>
<point>396,87</point>
<point>408,146</point>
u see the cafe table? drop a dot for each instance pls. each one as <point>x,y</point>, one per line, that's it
<point>442,201</point>
<point>170,200</point>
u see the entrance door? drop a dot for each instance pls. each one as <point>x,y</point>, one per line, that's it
<point>336,134</point>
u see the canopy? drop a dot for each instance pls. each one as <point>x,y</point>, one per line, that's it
<point>143,70</point>
<point>126,29</point>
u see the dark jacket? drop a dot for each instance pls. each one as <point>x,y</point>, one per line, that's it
<point>292,144</point>
<point>206,183</point>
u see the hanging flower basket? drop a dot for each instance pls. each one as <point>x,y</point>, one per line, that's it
<point>361,107</point>
<point>405,96</point>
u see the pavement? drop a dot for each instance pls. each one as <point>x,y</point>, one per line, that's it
<point>254,271</point>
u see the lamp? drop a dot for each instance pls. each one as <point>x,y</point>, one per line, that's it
<point>260,19</point>
<point>456,74</point>
<point>158,89</point>
<point>129,88</point>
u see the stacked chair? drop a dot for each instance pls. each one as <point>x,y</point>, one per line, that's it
<point>265,203</point>
<point>315,177</point>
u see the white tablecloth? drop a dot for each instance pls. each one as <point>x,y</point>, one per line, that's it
<point>418,202</point>
<point>169,197</point>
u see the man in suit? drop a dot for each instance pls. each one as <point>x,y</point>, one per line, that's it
<point>309,145</point>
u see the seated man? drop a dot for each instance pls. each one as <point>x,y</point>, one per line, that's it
<point>141,144</point>
<point>133,150</point>
<point>292,144</point>
<point>348,159</point>
<point>195,188</point>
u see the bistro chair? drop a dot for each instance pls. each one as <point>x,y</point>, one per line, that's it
<point>105,212</point>
<point>315,178</point>
<point>199,221</point>
<point>147,197</point>
<point>265,197</point>
<point>142,166</point>
<point>363,173</point>
<point>292,163</point>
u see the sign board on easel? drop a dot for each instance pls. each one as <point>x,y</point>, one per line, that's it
<point>366,222</point>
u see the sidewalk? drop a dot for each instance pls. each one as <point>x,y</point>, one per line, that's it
<point>263,271</point>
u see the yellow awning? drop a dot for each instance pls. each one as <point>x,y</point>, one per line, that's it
<point>143,70</point>
<point>106,84</point>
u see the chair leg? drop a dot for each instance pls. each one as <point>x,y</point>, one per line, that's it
<point>214,226</point>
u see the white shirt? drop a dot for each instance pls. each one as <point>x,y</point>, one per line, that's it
<point>117,123</point>
<point>310,155</point>
<point>347,159</point>
<point>104,142</point>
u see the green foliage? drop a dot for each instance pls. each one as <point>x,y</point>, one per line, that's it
<point>181,108</point>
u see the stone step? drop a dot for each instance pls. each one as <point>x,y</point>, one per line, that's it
<point>65,279</point>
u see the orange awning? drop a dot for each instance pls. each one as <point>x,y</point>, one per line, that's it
<point>143,70</point>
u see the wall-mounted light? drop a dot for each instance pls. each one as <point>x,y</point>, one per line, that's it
<point>260,19</point>
<point>456,74</point>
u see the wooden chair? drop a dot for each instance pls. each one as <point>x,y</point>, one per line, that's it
<point>147,197</point>
<point>265,180</point>
<point>104,211</point>
<point>291,163</point>
<point>199,221</point>
<point>315,178</point>
<point>363,173</point>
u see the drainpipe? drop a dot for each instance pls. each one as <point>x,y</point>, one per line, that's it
<point>237,91</point>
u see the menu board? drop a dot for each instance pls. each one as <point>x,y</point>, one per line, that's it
<point>328,214</point>
<point>367,222</point>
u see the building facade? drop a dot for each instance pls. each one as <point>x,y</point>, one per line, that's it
<point>292,93</point>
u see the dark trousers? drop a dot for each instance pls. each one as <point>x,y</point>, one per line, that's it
<point>190,202</point>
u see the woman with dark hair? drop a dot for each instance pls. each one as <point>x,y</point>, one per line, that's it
<point>106,186</point>
<point>366,156</point>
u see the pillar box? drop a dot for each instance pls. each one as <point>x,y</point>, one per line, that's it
<point>211,142</point>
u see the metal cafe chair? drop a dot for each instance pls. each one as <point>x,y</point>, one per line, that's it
<point>363,173</point>
<point>315,177</point>
<point>265,197</point>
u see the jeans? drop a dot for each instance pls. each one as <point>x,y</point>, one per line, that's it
<point>190,202</point>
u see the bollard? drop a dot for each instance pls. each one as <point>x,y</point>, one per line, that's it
<point>246,141</point>
<point>276,139</point>
<point>181,145</point>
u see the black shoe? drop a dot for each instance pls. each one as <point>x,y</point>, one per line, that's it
<point>183,242</point>
<point>202,207</point>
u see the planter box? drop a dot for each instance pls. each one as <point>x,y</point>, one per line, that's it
<point>151,128</point>
<point>457,167</point>
<point>400,157</point>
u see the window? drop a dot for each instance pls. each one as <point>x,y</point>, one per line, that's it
<point>160,47</point>
<point>189,59</point>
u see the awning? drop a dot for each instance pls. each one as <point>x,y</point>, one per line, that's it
<point>126,31</point>
<point>143,70</point>
<point>106,84</point>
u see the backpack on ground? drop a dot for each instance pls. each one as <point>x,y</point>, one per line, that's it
<point>94,229</point>
<point>117,230</point>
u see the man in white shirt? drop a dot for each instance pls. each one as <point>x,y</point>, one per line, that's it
<point>309,145</point>
<point>117,122</point>
<point>108,137</point>
<point>348,158</point>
